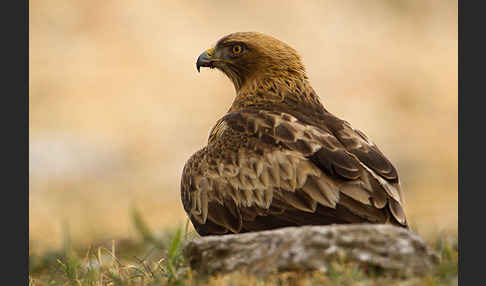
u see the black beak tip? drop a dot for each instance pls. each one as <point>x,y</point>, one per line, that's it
<point>203,61</point>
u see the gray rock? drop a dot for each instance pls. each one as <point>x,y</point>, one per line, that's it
<point>309,248</point>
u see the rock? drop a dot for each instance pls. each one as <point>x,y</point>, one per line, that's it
<point>309,248</point>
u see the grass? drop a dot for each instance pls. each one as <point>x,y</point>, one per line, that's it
<point>158,260</point>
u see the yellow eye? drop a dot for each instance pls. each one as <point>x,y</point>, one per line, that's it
<point>236,49</point>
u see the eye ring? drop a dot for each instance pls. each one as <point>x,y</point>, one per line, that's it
<point>237,49</point>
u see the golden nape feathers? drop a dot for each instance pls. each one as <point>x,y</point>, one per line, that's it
<point>278,157</point>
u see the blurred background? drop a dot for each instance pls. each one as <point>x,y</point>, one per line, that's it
<point>117,106</point>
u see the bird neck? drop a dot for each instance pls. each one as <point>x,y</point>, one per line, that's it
<point>268,91</point>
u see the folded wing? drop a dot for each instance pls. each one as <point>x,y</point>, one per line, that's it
<point>263,169</point>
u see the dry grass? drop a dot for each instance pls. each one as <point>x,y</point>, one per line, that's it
<point>152,259</point>
<point>116,105</point>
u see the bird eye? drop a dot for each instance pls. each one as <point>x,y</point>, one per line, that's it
<point>236,49</point>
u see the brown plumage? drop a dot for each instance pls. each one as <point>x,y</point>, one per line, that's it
<point>278,157</point>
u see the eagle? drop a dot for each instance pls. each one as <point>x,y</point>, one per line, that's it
<point>278,157</point>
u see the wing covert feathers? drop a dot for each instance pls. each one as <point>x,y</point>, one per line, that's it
<point>261,166</point>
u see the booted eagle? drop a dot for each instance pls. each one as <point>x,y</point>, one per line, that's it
<point>278,157</point>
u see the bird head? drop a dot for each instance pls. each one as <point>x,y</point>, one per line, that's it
<point>250,57</point>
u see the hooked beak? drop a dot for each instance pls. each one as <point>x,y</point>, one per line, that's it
<point>205,59</point>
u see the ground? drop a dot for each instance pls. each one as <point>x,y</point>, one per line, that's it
<point>152,259</point>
